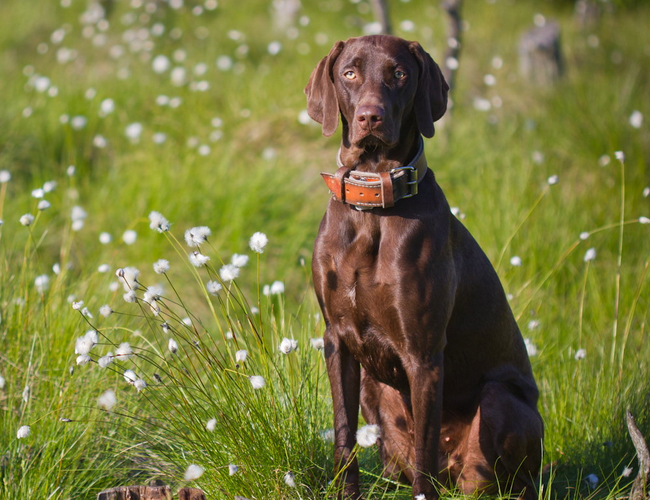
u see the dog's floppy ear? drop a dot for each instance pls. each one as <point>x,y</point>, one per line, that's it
<point>322,104</point>
<point>431,95</point>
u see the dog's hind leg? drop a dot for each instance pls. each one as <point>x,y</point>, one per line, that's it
<point>384,406</point>
<point>503,451</point>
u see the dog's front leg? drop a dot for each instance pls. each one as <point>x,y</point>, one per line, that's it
<point>425,380</point>
<point>344,373</point>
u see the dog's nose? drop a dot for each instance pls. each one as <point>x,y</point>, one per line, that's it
<point>369,117</point>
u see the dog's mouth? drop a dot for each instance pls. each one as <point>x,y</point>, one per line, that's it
<point>374,140</point>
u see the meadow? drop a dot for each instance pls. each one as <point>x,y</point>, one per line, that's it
<point>159,196</point>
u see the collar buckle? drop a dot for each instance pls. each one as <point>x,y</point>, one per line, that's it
<point>412,182</point>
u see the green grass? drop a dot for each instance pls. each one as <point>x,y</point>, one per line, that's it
<point>261,174</point>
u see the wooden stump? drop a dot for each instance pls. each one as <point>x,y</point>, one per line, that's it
<point>540,55</point>
<point>149,493</point>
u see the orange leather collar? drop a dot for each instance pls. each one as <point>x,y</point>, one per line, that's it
<point>366,190</point>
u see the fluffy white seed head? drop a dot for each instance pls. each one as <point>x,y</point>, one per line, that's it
<point>258,242</point>
<point>106,360</point>
<point>198,259</point>
<point>24,432</point>
<point>240,356</point>
<point>27,219</point>
<point>193,472</point>
<point>107,400</point>
<point>368,435</point>
<point>229,272</point>
<point>129,236</point>
<point>257,381</point>
<point>232,469</point>
<point>105,310</point>
<point>139,384</point>
<point>196,236</point>
<point>158,222</point>
<point>161,266</point>
<point>290,479</point>
<point>211,425</point>
<point>239,260</point>
<point>83,359</point>
<point>318,344</point>
<point>590,255</point>
<point>288,345</point>
<point>124,351</point>
<point>213,287</point>
<point>130,376</point>
<point>172,345</point>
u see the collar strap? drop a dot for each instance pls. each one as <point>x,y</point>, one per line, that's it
<point>366,190</point>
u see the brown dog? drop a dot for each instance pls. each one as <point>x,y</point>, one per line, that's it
<point>418,329</point>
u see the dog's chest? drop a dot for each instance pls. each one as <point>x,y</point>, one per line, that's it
<point>364,305</point>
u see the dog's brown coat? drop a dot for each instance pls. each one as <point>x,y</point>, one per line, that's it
<point>419,332</point>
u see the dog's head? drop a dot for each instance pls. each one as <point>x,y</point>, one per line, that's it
<point>376,83</point>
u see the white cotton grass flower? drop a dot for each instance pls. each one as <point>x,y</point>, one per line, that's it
<point>139,384</point>
<point>133,132</point>
<point>43,205</point>
<point>5,176</point>
<point>288,345</point>
<point>105,238</point>
<point>129,276</point>
<point>229,272</point>
<point>124,351</point>
<point>2,382</point>
<point>258,242</point>
<point>130,376</point>
<point>257,381</point>
<point>27,219</point>
<point>290,479</point>
<point>644,220</point>
<point>590,255</point>
<point>277,288</point>
<point>106,107</point>
<point>515,261</point>
<point>552,180</point>
<point>620,156</point>
<point>193,472</point>
<point>592,481</point>
<point>105,310</point>
<point>23,432</point>
<point>239,260</point>
<point>130,297</point>
<point>197,259</point>
<point>580,354</point>
<point>107,400</point>
<point>172,345</point>
<point>531,348</point>
<point>533,324</point>
<point>241,355</point>
<point>211,425</point>
<point>584,235</point>
<point>368,435</point>
<point>158,222</point>
<point>42,283</point>
<point>318,344</point>
<point>196,236</point>
<point>626,472</point>
<point>161,266</point>
<point>106,360</point>
<point>213,287</point>
<point>103,268</point>
<point>636,119</point>
<point>232,469</point>
<point>86,312</point>
<point>26,393</point>
<point>153,293</point>
<point>83,359</point>
<point>129,237</point>
<point>160,64</point>
<point>84,344</point>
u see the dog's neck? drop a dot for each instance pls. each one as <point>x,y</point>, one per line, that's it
<point>378,157</point>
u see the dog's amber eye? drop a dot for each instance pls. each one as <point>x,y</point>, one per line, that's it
<point>350,75</point>
<point>399,74</point>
